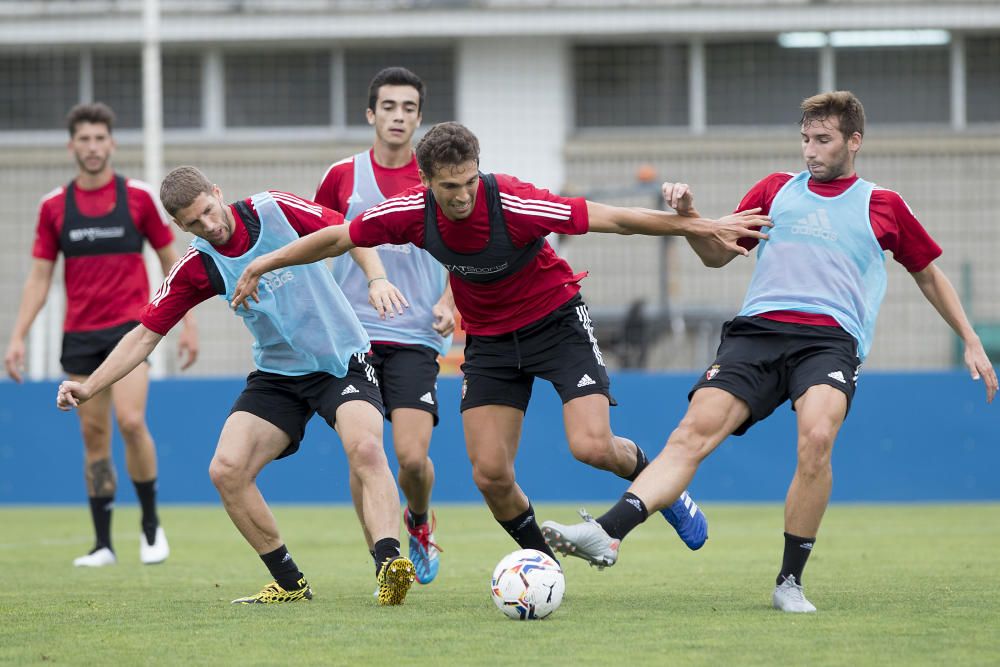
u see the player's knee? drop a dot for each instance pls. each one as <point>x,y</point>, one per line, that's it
<point>493,482</point>
<point>96,436</point>
<point>364,453</point>
<point>593,444</point>
<point>815,447</point>
<point>132,425</point>
<point>225,473</point>
<point>412,460</point>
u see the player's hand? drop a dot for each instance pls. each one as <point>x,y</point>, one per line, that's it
<point>187,345</point>
<point>444,319</point>
<point>13,360</point>
<point>980,367</point>
<point>71,395</point>
<point>386,298</point>
<point>247,287</point>
<point>679,197</point>
<point>729,229</point>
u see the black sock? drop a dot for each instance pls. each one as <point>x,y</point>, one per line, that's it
<point>626,514</point>
<point>640,463</point>
<point>100,512</point>
<point>385,549</point>
<point>797,550</point>
<point>525,531</point>
<point>416,518</point>
<point>146,492</point>
<point>375,560</point>
<point>281,566</point>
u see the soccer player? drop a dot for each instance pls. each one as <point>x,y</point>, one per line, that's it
<point>520,306</point>
<point>310,356</point>
<point>802,334</point>
<point>99,221</point>
<point>404,349</point>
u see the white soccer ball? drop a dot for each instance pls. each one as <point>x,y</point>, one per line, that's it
<point>528,585</point>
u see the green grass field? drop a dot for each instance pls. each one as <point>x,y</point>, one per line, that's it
<point>895,585</point>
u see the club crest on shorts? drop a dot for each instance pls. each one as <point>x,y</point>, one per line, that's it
<point>712,372</point>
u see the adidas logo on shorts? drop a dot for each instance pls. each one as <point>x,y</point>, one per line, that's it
<point>427,398</point>
<point>350,389</point>
<point>838,376</point>
<point>585,381</point>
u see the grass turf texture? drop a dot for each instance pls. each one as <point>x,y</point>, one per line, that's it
<point>894,584</point>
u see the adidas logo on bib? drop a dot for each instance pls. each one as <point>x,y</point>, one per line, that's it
<point>427,398</point>
<point>351,389</point>
<point>585,381</point>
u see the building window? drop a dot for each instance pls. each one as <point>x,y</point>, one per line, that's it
<point>630,86</point>
<point>436,67</point>
<point>277,89</point>
<point>757,83</point>
<point>982,57</point>
<point>181,90</point>
<point>36,90</point>
<point>898,85</point>
<point>118,83</point>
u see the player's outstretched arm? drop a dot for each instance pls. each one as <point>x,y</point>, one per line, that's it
<point>384,297</point>
<point>937,289</point>
<point>722,234</point>
<point>327,242</point>
<point>680,197</point>
<point>131,350</point>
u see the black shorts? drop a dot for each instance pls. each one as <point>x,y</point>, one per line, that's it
<point>560,347</point>
<point>84,351</point>
<point>764,363</point>
<point>289,401</point>
<point>407,376</point>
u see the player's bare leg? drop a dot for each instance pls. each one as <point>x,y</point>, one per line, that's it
<point>492,435</point>
<point>129,397</point>
<point>820,413</point>
<point>99,474</point>
<point>411,438</point>
<point>248,443</point>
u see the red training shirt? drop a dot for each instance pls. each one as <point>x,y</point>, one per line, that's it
<point>102,291</point>
<point>489,309</point>
<point>187,284</point>
<point>896,228</point>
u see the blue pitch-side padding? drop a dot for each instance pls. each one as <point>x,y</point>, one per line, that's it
<point>909,437</point>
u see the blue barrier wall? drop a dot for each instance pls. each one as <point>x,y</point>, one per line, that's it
<point>910,437</point>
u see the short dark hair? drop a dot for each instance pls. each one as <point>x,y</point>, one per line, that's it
<point>181,187</point>
<point>394,76</point>
<point>842,104</point>
<point>95,112</point>
<point>446,144</point>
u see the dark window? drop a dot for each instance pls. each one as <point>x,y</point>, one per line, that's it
<point>118,83</point>
<point>436,67</point>
<point>36,90</point>
<point>630,86</point>
<point>757,83</point>
<point>898,85</point>
<point>181,90</point>
<point>278,89</point>
<point>983,79</point>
